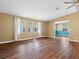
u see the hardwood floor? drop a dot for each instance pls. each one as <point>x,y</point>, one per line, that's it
<point>44,48</point>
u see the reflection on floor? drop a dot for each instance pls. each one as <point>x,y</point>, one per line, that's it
<point>43,48</point>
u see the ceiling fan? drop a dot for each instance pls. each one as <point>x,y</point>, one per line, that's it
<point>74,3</point>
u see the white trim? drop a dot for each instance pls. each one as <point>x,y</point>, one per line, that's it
<point>74,40</point>
<point>69,40</point>
<point>41,36</point>
<point>30,38</point>
<point>19,40</point>
<point>6,42</point>
<point>54,30</point>
<point>24,39</point>
<point>50,36</point>
<point>61,21</point>
<point>58,23</point>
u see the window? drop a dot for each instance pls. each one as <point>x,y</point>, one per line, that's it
<point>29,26</point>
<point>32,26</point>
<point>22,25</point>
<point>35,26</point>
<point>35,29</point>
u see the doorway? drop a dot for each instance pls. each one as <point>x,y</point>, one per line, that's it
<point>61,29</point>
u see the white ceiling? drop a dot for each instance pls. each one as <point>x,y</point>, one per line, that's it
<point>37,9</point>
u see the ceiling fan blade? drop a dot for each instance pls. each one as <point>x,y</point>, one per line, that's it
<point>70,6</point>
<point>77,0</point>
<point>70,2</point>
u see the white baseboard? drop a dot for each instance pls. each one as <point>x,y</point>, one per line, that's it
<point>6,42</point>
<point>32,38</point>
<point>74,40</point>
<point>25,39</point>
<point>19,40</point>
<point>29,38</point>
<point>69,39</point>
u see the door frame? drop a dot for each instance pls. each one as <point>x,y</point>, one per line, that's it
<point>57,22</point>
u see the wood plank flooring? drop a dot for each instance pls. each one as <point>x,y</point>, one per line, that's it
<point>44,48</point>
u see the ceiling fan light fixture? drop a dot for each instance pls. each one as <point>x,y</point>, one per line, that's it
<point>74,3</point>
